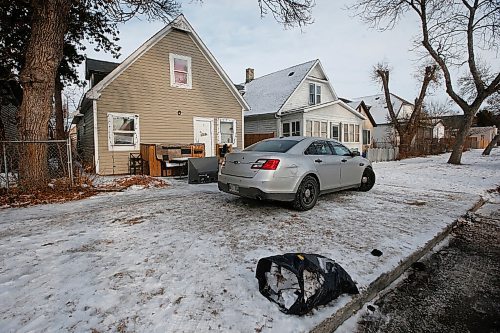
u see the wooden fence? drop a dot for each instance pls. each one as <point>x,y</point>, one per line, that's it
<point>382,154</point>
<point>250,139</point>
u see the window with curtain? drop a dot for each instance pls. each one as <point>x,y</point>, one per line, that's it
<point>180,71</point>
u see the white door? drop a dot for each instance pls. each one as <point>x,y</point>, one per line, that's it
<point>204,133</point>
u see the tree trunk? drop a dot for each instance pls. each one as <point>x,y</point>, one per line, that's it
<point>58,107</point>
<point>492,144</point>
<point>463,133</point>
<point>405,140</point>
<point>43,55</point>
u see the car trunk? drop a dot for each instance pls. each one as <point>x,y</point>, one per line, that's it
<point>240,164</point>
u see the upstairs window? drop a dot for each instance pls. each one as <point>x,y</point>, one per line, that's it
<point>180,71</point>
<point>314,94</point>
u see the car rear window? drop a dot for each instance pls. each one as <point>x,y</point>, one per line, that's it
<point>273,146</point>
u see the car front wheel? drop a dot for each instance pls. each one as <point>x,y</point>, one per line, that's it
<point>367,180</point>
<point>307,194</point>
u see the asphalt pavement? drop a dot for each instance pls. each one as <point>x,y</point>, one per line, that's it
<point>456,289</point>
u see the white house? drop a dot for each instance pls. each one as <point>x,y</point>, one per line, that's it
<point>300,101</point>
<point>384,134</point>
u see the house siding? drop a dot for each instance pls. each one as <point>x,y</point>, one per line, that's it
<point>85,145</point>
<point>144,89</point>
<point>261,124</point>
<point>317,73</point>
<point>337,114</point>
<point>300,97</point>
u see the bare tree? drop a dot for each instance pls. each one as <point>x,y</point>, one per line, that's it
<point>44,52</point>
<point>453,33</point>
<point>405,127</point>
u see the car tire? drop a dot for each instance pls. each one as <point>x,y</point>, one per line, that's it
<point>307,194</point>
<point>367,180</point>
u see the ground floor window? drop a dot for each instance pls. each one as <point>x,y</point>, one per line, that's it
<point>227,131</point>
<point>351,133</point>
<point>317,128</point>
<point>291,128</point>
<point>123,131</point>
<point>367,139</point>
<point>335,132</point>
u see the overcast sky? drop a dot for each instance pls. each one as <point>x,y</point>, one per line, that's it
<point>239,38</point>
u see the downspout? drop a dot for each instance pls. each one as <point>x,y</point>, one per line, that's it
<point>242,128</point>
<point>278,124</point>
<point>96,140</point>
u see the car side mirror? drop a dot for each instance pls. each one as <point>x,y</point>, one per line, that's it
<point>354,153</point>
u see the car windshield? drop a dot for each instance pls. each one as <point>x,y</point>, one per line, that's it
<point>274,146</point>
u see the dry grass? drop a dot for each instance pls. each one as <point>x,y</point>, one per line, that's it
<point>144,181</point>
<point>59,191</point>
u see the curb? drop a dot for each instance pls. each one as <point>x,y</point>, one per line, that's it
<point>383,281</point>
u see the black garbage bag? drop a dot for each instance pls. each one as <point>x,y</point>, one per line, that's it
<point>299,282</point>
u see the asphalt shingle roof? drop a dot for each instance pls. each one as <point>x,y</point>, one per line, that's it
<point>268,93</point>
<point>94,65</point>
<point>378,106</point>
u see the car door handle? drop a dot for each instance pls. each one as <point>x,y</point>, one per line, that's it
<point>344,160</point>
<point>318,161</point>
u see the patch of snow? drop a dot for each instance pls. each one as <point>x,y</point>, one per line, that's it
<point>183,258</point>
<point>266,94</point>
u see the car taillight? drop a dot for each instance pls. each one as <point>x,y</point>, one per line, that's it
<point>266,164</point>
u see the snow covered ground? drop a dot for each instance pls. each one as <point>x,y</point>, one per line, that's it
<point>182,258</point>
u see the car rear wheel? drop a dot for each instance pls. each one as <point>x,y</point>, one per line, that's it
<point>367,180</point>
<point>307,194</point>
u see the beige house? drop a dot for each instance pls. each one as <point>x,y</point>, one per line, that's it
<point>368,124</point>
<point>171,90</point>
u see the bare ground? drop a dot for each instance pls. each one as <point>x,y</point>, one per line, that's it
<point>457,289</point>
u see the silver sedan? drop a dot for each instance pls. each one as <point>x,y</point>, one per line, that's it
<point>295,169</point>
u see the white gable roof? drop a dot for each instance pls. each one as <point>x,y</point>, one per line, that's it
<point>180,23</point>
<point>268,93</point>
<point>378,106</point>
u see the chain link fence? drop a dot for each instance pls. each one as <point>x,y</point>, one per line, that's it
<point>18,159</point>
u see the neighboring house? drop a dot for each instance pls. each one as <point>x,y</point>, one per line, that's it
<point>480,137</point>
<point>383,132</point>
<point>438,130</point>
<point>368,125</point>
<point>299,101</point>
<point>451,124</point>
<point>170,90</point>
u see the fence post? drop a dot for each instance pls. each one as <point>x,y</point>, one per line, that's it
<point>70,161</point>
<point>5,166</point>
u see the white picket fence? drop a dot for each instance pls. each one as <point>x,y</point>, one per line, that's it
<point>382,154</point>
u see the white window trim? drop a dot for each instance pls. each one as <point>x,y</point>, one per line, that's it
<point>219,133</point>
<point>330,135</point>
<point>370,138</point>
<point>189,84</point>
<point>289,122</point>
<point>315,93</point>
<point>354,133</point>
<point>137,136</point>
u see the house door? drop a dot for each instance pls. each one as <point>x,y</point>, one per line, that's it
<point>204,133</point>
